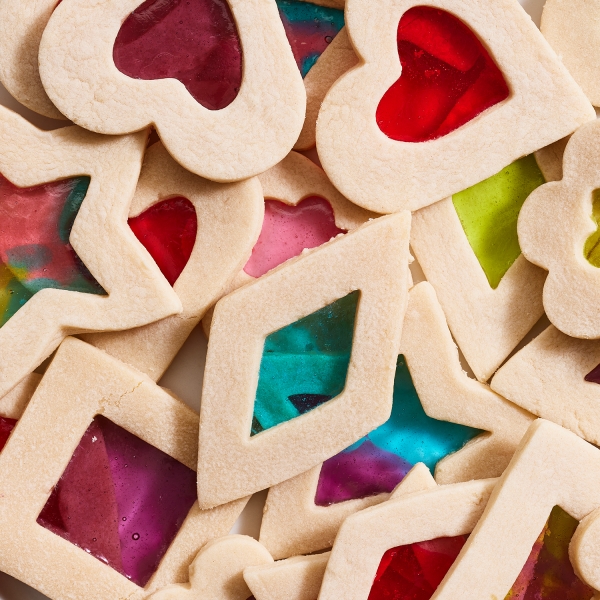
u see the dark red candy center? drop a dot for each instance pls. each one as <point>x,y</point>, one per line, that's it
<point>168,231</point>
<point>448,78</point>
<point>193,41</point>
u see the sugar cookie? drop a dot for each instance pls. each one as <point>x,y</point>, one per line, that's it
<point>490,103</point>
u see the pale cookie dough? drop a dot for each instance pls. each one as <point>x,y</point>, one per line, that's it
<point>384,175</point>
<point>550,159</point>
<point>292,180</point>
<point>551,467</point>
<point>217,571</point>
<point>446,511</point>
<point>233,464</point>
<point>300,577</point>
<point>487,323</point>
<point>81,383</point>
<point>572,27</point>
<point>294,524</point>
<point>13,404</point>
<point>338,58</point>
<point>137,291</point>
<point>547,378</point>
<point>554,224</point>
<point>229,220</point>
<point>21,28</point>
<point>245,138</point>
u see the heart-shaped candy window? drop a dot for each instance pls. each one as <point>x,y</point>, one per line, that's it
<point>193,41</point>
<point>448,78</point>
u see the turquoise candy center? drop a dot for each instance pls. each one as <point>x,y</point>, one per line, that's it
<point>304,364</point>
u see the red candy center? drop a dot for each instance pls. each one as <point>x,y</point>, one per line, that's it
<point>448,78</point>
<point>168,231</point>
<point>193,41</point>
<point>414,571</point>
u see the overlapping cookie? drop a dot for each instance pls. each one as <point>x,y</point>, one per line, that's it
<point>468,248</point>
<point>301,362</point>
<point>200,234</point>
<point>445,95</point>
<point>558,232</point>
<point>104,504</point>
<point>302,210</point>
<point>217,79</point>
<point>551,484</point>
<point>68,261</point>
<point>457,426</point>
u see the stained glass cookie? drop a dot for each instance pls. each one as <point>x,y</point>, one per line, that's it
<point>558,231</point>
<point>432,106</point>
<point>218,80</point>
<point>105,500</point>
<point>200,234</point>
<point>68,261</point>
<point>456,426</point>
<point>302,390</point>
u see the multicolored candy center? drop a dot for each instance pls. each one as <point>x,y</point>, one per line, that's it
<point>35,253</point>
<point>310,28</point>
<point>378,462</point>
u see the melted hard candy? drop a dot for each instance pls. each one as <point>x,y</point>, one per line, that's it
<point>414,571</point>
<point>310,28</point>
<point>35,253</point>
<point>304,364</point>
<point>6,427</point>
<point>448,78</point>
<point>193,41</point>
<point>488,212</point>
<point>594,375</point>
<point>591,249</point>
<point>378,462</point>
<point>120,499</point>
<point>288,230</point>
<point>168,231</point>
<point>548,573</point>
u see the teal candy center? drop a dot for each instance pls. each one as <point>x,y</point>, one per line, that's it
<point>305,364</point>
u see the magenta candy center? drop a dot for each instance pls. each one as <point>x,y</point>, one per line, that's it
<point>193,41</point>
<point>288,230</point>
<point>120,499</point>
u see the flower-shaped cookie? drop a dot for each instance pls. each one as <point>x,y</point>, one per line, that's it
<point>303,514</point>
<point>444,96</point>
<point>217,571</point>
<point>555,232</point>
<point>263,420</point>
<point>553,482</point>
<point>211,227</point>
<point>231,108</point>
<point>106,497</point>
<point>68,261</point>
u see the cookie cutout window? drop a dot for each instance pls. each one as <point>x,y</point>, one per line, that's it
<point>288,230</point>
<point>594,375</point>
<point>6,428</point>
<point>120,499</point>
<point>35,252</point>
<point>448,78</point>
<point>168,231</point>
<point>591,249</point>
<point>379,461</point>
<point>193,41</point>
<point>488,212</point>
<point>310,28</point>
<point>414,571</point>
<point>305,364</point>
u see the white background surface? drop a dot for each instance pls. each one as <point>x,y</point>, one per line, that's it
<point>184,376</point>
